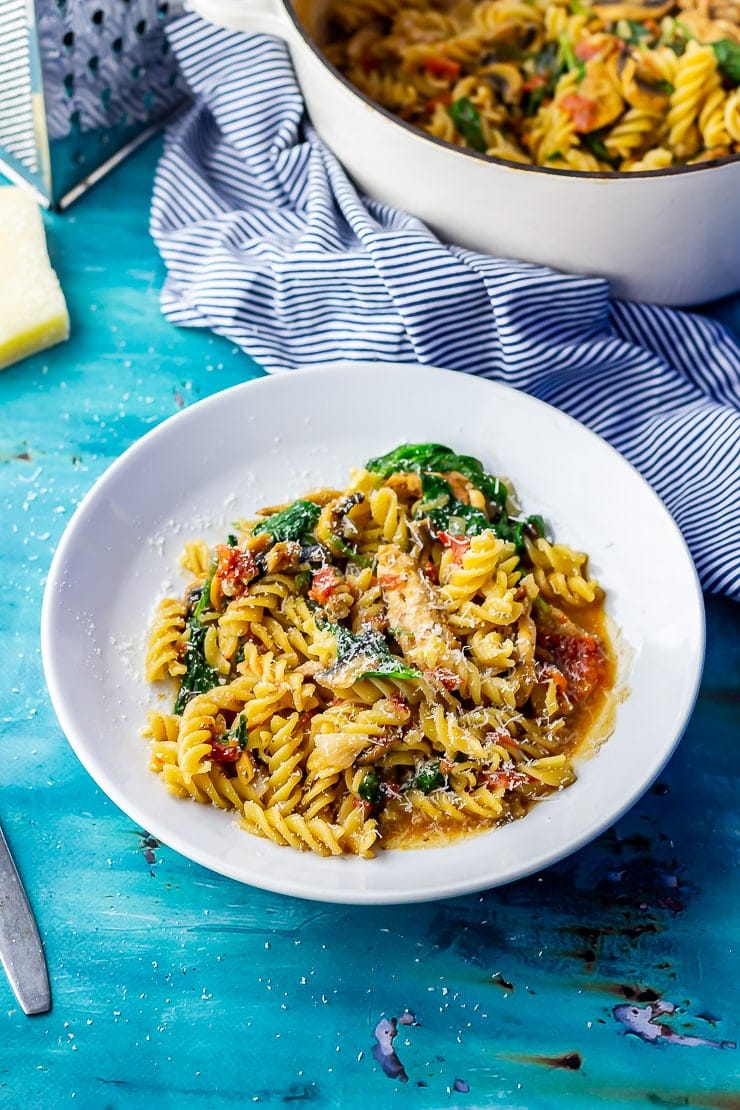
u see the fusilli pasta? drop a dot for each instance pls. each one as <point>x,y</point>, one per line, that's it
<point>388,665</point>
<point>575,85</point>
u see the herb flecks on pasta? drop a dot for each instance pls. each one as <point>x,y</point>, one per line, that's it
<point>388,665</point>
<point>610,86</point>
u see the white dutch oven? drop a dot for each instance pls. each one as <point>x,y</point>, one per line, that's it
<point>668,236</point>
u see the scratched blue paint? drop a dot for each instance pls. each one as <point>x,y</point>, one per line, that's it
<point>178,988</point>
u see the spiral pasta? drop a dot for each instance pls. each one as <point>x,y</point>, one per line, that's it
<point>392,665</point>
<point>596,86</point>
<point>165,640</point>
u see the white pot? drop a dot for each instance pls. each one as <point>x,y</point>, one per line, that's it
<point>668,236</point>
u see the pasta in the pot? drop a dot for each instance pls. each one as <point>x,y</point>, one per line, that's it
<point>621,85</point>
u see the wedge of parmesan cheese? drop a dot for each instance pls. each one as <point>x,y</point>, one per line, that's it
<point>33,312</point>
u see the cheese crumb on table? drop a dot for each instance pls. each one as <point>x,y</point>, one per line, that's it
<point>33,312</point>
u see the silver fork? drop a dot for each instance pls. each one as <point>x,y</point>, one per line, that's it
<point>21,951</point>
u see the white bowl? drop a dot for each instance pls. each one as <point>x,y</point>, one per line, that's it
<point>274,438</point>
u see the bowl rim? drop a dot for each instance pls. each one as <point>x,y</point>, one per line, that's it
<point>424,136</point>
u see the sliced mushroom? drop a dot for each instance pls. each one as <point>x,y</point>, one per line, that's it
<point>641,86</point>
<point>335,523</point>
<point>516,33</point>
<point>282,556</point>
<point>377,750</point>
<point>726,10</point>
<point>507,82</point>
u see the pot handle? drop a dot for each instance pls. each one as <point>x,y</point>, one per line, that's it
<point>265,17</point>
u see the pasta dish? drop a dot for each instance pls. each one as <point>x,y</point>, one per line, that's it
<point>388,665</point>
<point>615,85</point>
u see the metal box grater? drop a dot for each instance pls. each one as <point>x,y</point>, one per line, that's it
<point>82,83</point>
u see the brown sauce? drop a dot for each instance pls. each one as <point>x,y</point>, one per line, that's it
<point>587,725</point>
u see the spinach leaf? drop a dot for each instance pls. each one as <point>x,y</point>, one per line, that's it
<point>594,140</point>
<point>727,54</point>
<point>303,580</point>
<point>205,594</point>
<point>370,789</point>
<point>545,60</point>
<point>374,646</point>
<point>439,505</point>
<point>548,67</point>
<point>503,52</point>
<point>199,675</point>
<point>237,734</point>
<point>428,777</point>
<point>342,548</point>
<point>297,522</point>
<point>629,30</point>
<point>445,513</point>
<point>435,458</point>
<point>532,101</point>
<point>411,456</point>
<point>567,59</point>
<point>467,120</point>
<point>514,531</point>
<point>534,524</point>
<point>363,654</point>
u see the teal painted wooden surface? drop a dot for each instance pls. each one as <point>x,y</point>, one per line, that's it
<point>174,987</point>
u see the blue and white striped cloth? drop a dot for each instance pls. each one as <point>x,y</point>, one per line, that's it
<point>267,242</point>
